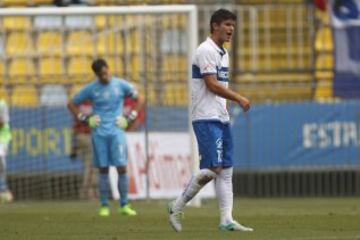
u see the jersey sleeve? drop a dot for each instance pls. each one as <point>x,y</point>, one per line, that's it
<point>4,112</point>
<point>83,95</point>
<point>207,62</point>
<point>129,89</point>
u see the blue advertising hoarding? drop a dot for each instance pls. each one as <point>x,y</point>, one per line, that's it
<point>41,141</point>
<point>270,136</point>
<point>298,135</point>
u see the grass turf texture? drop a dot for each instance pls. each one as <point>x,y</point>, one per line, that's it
<point>272,219</point>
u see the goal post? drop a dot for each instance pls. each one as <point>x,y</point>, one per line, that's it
<point>149,45</point>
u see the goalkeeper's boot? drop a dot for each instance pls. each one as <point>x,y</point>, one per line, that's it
<point>104,211</point>
<point>235,226</point>
<point>175,217</point>
<point>127,210</point>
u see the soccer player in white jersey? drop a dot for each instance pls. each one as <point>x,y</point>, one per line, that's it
<point>210,119</point>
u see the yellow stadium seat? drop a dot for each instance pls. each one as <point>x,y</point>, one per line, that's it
<point>24,96</point>
<point>49,43</point>
<point>110,43</point>
<point>10,3</point>
<point>4,94</point>
<point>79,66</point>
<point>2,68</point>
<point>41,2</point>
<point>151,91</point>
<point>19,44</point>
<point>324,39</point>
<point>174,67</point>
<point>116,65</point>
<point>51,67</point>
<point>75,89</point>
<point>16,23</point>
<point>21,67</point>
<point>80,43</point>
<point>176,94</point>
<point>325,61</point>
<point>174,21</point>
<point>106,2</point>
<point>324,90</point>
<point>133,42</point>
<point>102,21</point>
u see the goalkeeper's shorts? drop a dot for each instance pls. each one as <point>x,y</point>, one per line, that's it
<point>110,150</point>
<point>215,143</point>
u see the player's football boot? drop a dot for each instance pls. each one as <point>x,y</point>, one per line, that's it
<point>127,210</point>
<point>175,217</point>
<point>235,226</point>
<point>104,211</point>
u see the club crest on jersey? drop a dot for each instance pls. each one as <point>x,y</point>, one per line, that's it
<point>223,74</point>
<point>106,95</point>
<point>219,143</point>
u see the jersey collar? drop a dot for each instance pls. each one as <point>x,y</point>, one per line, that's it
<point>222,51</point>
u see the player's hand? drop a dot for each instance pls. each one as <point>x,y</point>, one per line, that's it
<point>122,122</point>
<point>244,103</point>
<point>125,120</point>
<point>93,121</point>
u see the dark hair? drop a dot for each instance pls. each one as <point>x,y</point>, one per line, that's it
<point>98,64</point>
<point>219,16</point>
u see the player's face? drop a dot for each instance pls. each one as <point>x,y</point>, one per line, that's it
<point>225,30</point>
<point>104,75</point>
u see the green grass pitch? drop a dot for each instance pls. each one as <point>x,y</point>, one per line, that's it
<point>278,219</point>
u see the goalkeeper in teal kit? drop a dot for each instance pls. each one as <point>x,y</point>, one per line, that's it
<point>108,124</point>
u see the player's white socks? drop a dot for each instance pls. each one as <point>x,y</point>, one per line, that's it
<point>196,183</point>
<point>224,194</point>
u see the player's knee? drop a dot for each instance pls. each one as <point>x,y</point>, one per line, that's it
<point>121,170</point>
<point>226,173</point>
<point>103,170</point>
<point>203,180</point>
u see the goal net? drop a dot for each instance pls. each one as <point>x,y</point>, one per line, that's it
<point>46,54</point>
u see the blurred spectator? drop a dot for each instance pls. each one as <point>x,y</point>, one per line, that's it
<point>320,4</point>
<point>82,149</point>
<point>5,137</point>
<point>130,104</point>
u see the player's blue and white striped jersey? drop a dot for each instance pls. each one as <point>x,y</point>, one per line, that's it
<point>107,101</point>
<point>209,59</point>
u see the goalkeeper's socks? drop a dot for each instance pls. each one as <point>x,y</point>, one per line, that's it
<point>104,188</point>
<point>123,184</point>
<point>196,183</point>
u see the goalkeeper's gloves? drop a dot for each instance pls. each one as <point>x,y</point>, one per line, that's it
<point>127,119</point>
<point>93,121</point>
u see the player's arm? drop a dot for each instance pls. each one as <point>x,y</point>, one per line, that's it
<point>140,101</point>
<point>73,108</point>
<point>128,119</point>
<point>215,87</point>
